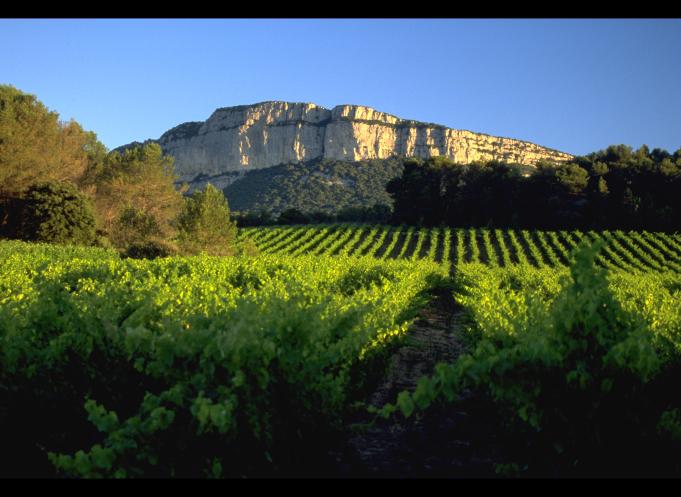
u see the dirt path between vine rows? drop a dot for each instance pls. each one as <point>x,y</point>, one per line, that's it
<point>447,441</point>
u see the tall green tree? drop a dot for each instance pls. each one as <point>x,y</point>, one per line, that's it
<point>204,224</point>
<point>140,179</point>
<point>35,146</point>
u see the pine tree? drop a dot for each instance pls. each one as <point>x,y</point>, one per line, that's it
<point>205,225</point>
<point>140,179</point>
<point>35,146</point>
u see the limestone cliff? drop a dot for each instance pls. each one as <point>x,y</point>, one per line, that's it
<point>236,139</point>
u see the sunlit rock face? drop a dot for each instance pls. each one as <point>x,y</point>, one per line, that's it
<point>236,139</point>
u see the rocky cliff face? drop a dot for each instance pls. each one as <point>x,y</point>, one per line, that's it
<point>236,139</point>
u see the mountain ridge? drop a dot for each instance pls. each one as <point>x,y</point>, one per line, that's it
<point>269,133</point>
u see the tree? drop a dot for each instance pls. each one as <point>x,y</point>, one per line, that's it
<point>35,146</point>
<point>135,226</point>
<point>141,178</point>
<point>204,224</point>
<point>572,177</point>
<point>58,213</point>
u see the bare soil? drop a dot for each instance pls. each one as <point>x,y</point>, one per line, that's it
<point>454,441</point>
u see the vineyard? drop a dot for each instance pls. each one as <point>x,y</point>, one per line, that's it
<point>187,366</point>
<point>629,251</point>
<point>572,338</point>
<point>256,366</point>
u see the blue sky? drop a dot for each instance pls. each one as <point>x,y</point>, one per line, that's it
<point>573,85</point>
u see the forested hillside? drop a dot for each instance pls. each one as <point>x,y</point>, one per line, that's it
<point>325,185</point>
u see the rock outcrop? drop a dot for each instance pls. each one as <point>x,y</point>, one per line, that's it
<point>236,139</point>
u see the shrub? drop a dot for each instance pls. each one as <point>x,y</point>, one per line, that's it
<point>150,249</point>
<point>247,247</point>
<point>102,240</point>
<point>57,212</point>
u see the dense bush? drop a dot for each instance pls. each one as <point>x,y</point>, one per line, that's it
<point>150,249</point>
<point>57,213</point>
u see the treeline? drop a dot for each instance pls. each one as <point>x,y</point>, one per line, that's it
<point>616,188</point>
<point>377,213</point>
<point>59,184</point>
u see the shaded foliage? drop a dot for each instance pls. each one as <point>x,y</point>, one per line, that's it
<point>135,226</point>
<point>57,213</point>
<point>150,249</point>
<point>613,188</point>
<point>377,213</point>
<point>321,185</point>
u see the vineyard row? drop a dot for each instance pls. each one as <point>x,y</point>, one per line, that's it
<point>629,251</point>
